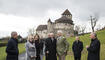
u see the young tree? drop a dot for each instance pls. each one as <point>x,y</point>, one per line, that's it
<point>93,21</point>
<point>77,29</point>
<point>83,28</point>
<point>31,31</point>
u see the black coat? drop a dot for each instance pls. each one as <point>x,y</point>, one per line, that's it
<point>12,49</point>
<point>51,47</point>
<point>77,48</point>
<point>94,50</point>
<point>38,49</point>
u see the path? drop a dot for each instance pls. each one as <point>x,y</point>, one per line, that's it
<point>22,56</point>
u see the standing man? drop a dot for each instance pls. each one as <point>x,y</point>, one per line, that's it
<point>12,47</point>
<point>94,48</point>
<point>50,49</point>
<point>77,48</point>
<point>62,46</point>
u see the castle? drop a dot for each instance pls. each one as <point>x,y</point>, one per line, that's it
<point>64,23</point>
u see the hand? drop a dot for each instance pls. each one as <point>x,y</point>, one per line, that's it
<point>32,57</point>
<point>47,52</point>
<point>35,56</point>
<point>87,46</point>
<point>56,54</point>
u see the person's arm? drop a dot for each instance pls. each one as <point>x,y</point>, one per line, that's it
<point>81,46</point>
<point>46,46</point>
<point>94,47</point>
<point>11,48</point>
<point>73,47</point>
<point>67,45</point>
<point>35,52</point>
<point>27,49</point>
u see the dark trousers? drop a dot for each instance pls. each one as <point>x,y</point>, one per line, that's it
<point>38,57</point>
<point>77,58</point>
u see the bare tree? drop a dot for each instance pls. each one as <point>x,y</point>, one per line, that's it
<point>77,29</point>
<point>31,31</point>
<point>93,21</point>
<point>83,28</point>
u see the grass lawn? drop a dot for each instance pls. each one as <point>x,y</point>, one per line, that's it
<point>3,54</point>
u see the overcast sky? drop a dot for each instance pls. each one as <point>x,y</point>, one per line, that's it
<point>21,15</point>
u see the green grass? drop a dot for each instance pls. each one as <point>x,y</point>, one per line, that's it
<point>86,41</point>
<point>3,54</point>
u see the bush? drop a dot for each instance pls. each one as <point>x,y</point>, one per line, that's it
<point>3,44</point>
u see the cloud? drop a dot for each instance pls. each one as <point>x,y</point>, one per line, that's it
<point>21,15</point>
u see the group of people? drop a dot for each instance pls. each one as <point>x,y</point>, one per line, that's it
<point>52,47</point>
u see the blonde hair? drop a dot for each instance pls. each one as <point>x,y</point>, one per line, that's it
<point>29,37</point>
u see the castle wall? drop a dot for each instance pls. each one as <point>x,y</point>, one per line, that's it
<point>63,26</point>
<point>42,34</point>
<point>67,29</point>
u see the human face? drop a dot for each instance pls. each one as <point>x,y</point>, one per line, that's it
<point>51,35</point>
<point>16,36</point>
<point>77,38</point>
<point>59,34</point>
<point>48,35</point>
<point>92,36</point>
<point>31,39</point>
<point>36,37</point>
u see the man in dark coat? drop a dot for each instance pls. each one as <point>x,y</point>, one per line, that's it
<point>12,47</point>
<point>94,48</point>
<point>77,48</point>
<point>50,49</point>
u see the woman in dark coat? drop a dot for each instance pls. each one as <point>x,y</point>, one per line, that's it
<point>38,46</point>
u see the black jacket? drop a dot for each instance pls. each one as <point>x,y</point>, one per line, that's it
<point>77,48</point>
<point>94,50</point>
<point>12,49</point>
<point>51,47</point>
<point>38,49</point>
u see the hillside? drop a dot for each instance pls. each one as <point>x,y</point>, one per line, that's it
<point>86,41</point>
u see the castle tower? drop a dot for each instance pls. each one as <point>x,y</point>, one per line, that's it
<point>50,26</point>
<point>67,14</point>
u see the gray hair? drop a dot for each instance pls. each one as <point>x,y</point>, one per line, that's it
<point>59,31</point>
<point>51,33</point>
<point>13,33</point>
<point>93,33</point>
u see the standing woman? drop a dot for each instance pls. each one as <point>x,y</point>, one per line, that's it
<point>30,49</point>
<point>37,45</point>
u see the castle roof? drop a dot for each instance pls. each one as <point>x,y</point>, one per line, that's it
<point>49,20</point>
<point>41,28</point>
<point>66,12</point>
<point>64,19</point>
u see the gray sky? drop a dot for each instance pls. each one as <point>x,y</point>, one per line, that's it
<point>21,15</point>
